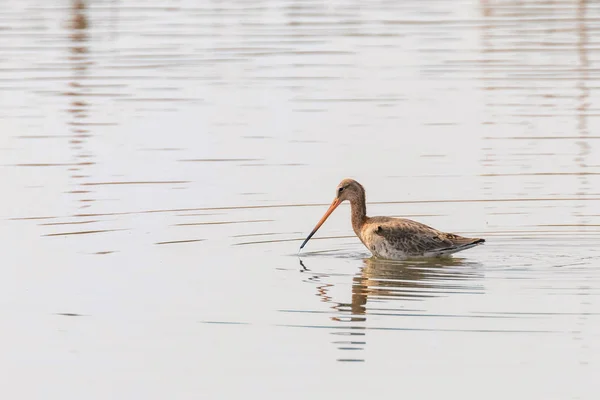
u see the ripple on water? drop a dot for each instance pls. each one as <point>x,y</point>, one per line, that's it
<point>192,146</point>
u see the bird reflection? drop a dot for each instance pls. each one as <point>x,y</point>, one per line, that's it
<point>388,288</point>
<point>381,280</point>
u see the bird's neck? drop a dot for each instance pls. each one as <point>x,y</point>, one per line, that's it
<point>359,214</point>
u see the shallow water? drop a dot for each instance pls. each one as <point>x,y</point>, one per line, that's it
<point>162,164</point>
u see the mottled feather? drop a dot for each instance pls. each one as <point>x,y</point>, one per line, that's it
<point>413,238</point>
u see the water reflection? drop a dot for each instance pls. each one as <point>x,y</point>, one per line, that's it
<point>79,107</point>
<point>534,73</point>
<point>583,108</point>
<point>485,114</point>
<point>390,288</point>
<point>412,280</point>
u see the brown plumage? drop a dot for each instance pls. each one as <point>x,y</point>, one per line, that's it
<point>393,238</point>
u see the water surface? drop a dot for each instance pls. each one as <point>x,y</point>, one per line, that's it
<point>161,165</point>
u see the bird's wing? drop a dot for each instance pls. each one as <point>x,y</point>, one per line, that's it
<point>416,238</point>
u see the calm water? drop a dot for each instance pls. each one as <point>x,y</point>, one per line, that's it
<point>162,161</point>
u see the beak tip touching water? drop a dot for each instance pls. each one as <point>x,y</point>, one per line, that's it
<point>336,202</point>
<point>303,244</point>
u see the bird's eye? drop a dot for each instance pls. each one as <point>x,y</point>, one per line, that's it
<point>340,190</point>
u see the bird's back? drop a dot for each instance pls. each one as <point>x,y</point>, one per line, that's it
<point>390,237</point>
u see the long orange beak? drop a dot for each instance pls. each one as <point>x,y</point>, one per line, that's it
<point>332,207</point>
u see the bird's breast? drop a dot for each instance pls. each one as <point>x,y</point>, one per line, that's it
<point>380,247</point>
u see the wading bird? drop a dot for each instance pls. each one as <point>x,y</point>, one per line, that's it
<point>393,238</point>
